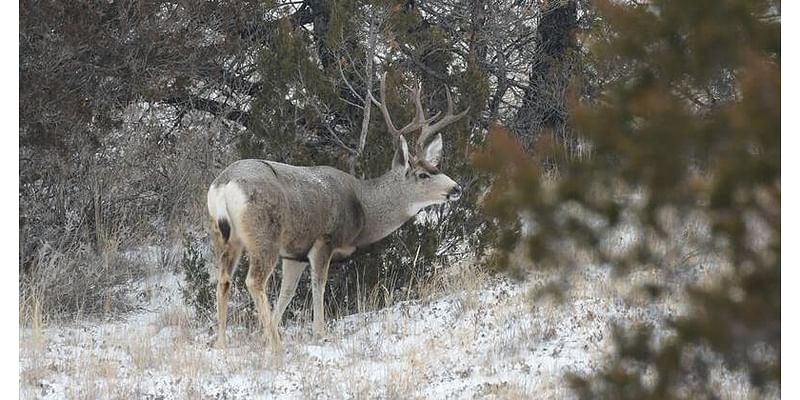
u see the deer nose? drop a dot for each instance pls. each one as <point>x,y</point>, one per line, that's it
<point>455,193</point>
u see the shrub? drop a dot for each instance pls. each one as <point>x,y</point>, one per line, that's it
<point>688,121</point>
<point>72,280</point>
<point>199,293</point>
<point>200,290</point>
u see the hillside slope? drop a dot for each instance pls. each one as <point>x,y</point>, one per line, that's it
<point>490,340</point>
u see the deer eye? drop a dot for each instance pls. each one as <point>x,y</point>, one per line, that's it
<point>423,175</point>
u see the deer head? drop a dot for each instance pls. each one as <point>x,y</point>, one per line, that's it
<point>417,175</point>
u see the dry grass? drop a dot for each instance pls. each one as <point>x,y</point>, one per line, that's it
<point>75,283</point>
<point>465,278</point>
<point>142,353</point>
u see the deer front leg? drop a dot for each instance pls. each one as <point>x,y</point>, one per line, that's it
<point>292,270</point>
<point>320,258</point>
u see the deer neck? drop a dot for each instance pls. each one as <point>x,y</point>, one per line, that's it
<point>386,206</point>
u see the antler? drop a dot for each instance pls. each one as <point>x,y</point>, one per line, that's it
<point>449,118</point>
<point>419,121</point>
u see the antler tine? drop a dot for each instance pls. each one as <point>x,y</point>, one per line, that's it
<point>449,118</point>
<point>382,105</point>
<point>419,120</point>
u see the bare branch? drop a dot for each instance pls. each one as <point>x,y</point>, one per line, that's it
<point>211,106</point>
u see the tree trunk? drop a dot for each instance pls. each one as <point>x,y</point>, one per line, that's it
<point>543,104</point>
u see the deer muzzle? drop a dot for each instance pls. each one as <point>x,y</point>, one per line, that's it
<point>455,193</point>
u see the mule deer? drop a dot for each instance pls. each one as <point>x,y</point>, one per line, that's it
<point>315,214</point>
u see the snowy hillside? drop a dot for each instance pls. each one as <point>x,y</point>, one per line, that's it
<point>491,340</point>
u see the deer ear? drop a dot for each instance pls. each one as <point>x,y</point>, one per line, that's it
<point>401,155</point>
<point>433,151</point>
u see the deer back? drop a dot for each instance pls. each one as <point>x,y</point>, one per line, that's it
<point>309,203</point>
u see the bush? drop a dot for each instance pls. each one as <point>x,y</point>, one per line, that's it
<point>687,123</point>
<point>199,293</point>
<point>74,281</point>
<point>200,290</point>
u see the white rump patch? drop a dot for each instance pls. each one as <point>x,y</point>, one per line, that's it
<point>227,202</point>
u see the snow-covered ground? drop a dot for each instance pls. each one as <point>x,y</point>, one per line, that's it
<point>492,340</point>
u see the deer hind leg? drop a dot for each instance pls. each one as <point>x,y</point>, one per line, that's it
<point>262,264</point>
<point>262,240</point>
<point>228,254</point>
<point>320,258</point>
<point>292,271</point>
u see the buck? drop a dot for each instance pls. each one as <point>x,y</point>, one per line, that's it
<point>311,215</point>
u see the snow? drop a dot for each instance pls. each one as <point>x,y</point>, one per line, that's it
<point>493,340</point>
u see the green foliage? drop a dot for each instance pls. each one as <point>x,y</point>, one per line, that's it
<point>689,118</point>
<point>474,82</point>
<point>342,13</point>
<point>200,292</point>
<point>291,80</point>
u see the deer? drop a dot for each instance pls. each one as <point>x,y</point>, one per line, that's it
<point>312,215</point>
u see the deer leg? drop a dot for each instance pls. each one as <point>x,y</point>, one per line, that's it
<point>261,266</point>
<point>228,255</point>
<point>320,258</point>
<point>292,270</point>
